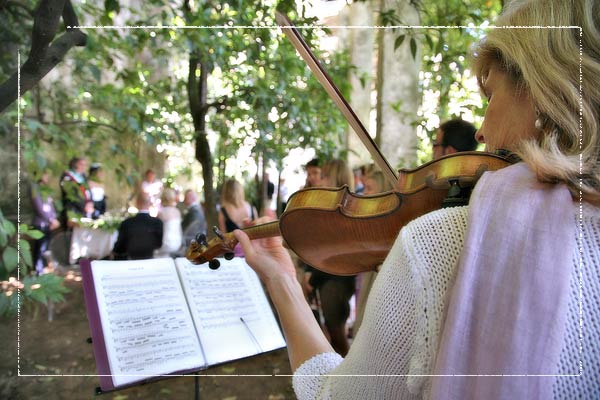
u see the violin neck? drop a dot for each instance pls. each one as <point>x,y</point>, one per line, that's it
<point>262,231</point>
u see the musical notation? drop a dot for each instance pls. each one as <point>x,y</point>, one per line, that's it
<point>159,316</point>
<point>146,323</point>
<point>216,299</point>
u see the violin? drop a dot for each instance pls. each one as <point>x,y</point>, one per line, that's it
<point>341,233</point>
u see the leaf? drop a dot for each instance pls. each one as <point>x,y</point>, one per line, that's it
<point>8,227</point>
<point>26,253</point>
<point>3,238</point>
<point>24,244</point>
<point>413,48</point>
<point>38,295</point>
<point>10,257</point>
<point>398,41</point>
<point>95,72</point>
<point>34,233</point>
<point>429,41</point>
<point>112,5</point>
<point>33,125</point>
<point>6,305</point>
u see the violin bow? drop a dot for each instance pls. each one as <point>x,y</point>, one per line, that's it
<point>334,93</point>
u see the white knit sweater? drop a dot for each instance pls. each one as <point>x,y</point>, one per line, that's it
<point>395,349</point>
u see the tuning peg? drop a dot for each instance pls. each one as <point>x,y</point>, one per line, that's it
<point>229,256</point>
<point>201,238</point>
<point>214,264</point>
<point>218,232</point>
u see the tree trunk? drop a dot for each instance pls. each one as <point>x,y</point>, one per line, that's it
<point>259,181</point>
<point>361,45</point>
<point>197,94</point>
<point>397,83</point>
<point>279,201</point>
<point>45,52</point>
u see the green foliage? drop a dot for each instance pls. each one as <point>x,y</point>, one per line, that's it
<point>447,45</point>
<point>128,87</point>
<point>17,14</point>
<point>12,247</point>
<point>32,288</point>
<point>40,289</point>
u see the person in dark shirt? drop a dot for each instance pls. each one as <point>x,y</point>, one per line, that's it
<point>75,192</point>
<point>139,235</point>
<point>194,220</point>
<point>453,136</point>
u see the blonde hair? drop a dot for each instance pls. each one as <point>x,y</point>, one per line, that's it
<point>232,192</point>
<point>545,62</point>
<point>339,173</point>
<point>168,197</point>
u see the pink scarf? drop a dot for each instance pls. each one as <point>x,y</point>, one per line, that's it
<point>507,308</point>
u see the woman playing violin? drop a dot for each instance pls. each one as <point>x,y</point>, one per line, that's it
<point>483,301</point>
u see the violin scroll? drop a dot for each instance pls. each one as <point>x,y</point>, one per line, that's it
<point>201,251</point>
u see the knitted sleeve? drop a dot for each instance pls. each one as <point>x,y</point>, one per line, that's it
<point>395,339</point>
<point>579,364</point>
<point>308,378</point>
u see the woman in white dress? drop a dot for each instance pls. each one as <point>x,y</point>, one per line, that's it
<point>96,184</point>
<point>170,215</point>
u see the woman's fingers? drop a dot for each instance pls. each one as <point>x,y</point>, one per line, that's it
<point>245,242</point>
<point>261,220</point>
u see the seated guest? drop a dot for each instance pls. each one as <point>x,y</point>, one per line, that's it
<point>170,215</point>
<point>139,235</point>
<point>194,221</point>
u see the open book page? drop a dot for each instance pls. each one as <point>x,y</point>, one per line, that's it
<point>230,309</point>
<point>146,323</point>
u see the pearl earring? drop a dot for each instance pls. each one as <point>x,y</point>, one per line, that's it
<point>539,122</point>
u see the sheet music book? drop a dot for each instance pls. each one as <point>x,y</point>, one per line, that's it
<point>157,317</point>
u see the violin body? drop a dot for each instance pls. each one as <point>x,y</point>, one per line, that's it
<point>342,233</point>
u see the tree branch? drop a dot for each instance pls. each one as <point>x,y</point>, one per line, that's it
<point>69,16</point>
<point>193,95</point>
<point>85,122</point>
<point>45,24</point>
<point>45,52</point>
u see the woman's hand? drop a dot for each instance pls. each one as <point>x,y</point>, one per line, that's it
<point>267,257</point>
<point>273,264</point>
